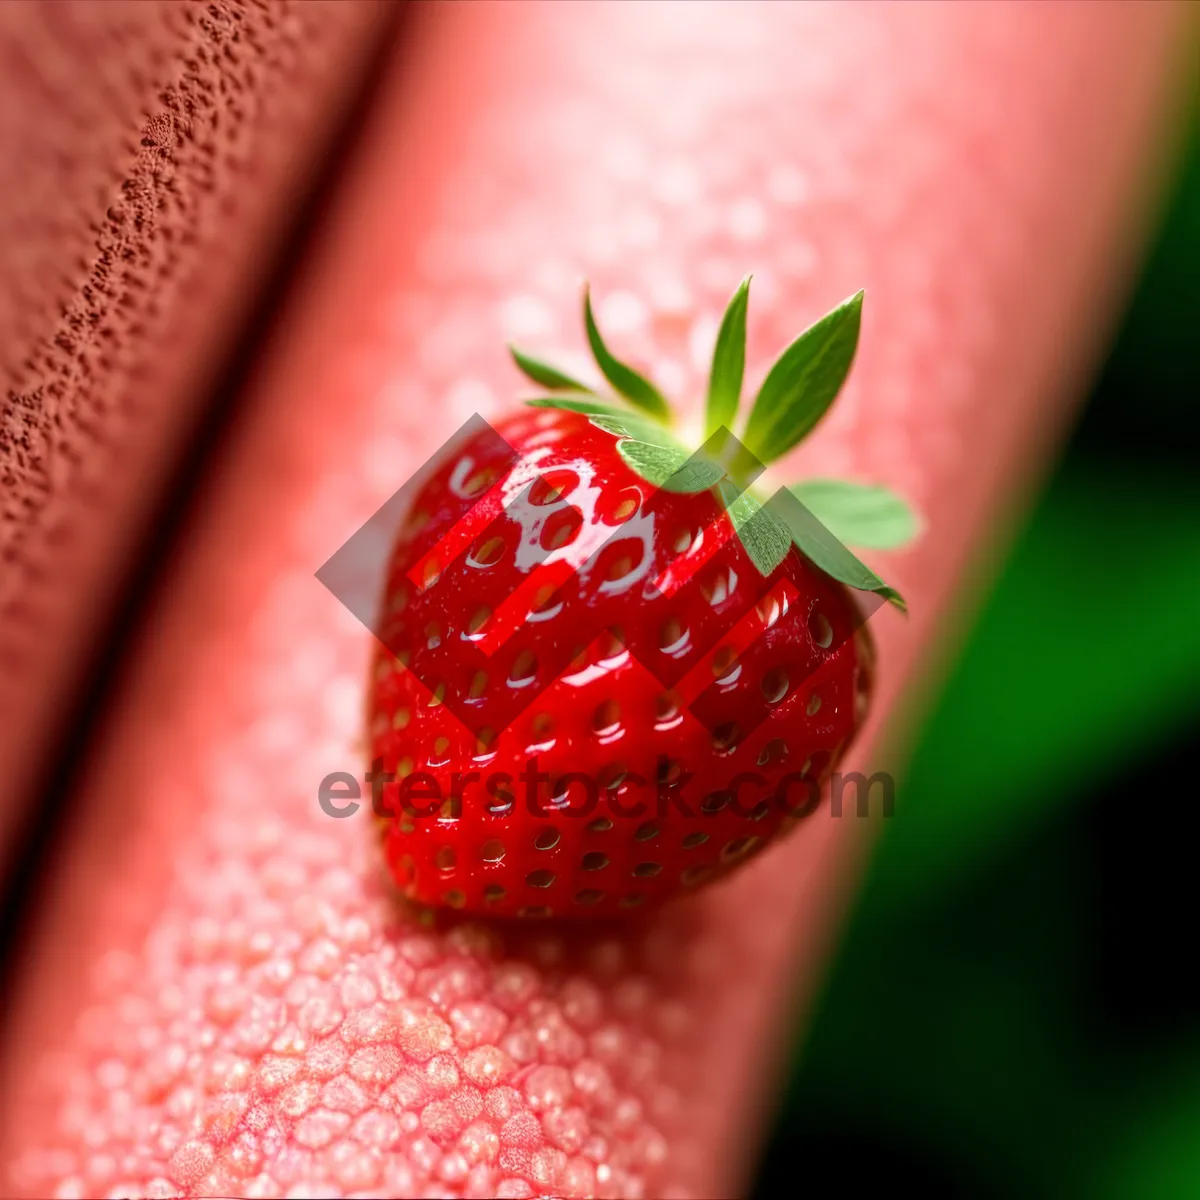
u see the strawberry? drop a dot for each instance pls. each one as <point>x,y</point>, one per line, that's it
<point>608,672</point>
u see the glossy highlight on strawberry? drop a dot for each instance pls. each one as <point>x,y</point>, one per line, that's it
<point>671,673</point>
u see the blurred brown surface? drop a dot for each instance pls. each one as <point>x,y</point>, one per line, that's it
<point>151,154</point>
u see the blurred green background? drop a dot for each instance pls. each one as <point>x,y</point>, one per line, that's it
<point>1015,1009</point>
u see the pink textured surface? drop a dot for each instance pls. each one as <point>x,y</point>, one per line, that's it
<point>145,149</point>
<point>226,998</point>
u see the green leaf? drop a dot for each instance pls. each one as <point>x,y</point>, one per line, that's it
<point>729,362</point>
<point>543,373</point>
<point>591,407</point>
<point>637,389</point>
<point>765,537</point>
<point>630,425</point>
<point>669,467</point>
<point>803,383</point>
<point>816,543</point>
<point>863,515</point>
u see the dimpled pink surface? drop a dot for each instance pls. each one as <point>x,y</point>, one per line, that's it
<point>224,997</point>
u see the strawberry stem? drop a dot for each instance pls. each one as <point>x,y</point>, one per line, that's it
<point>796,394</point>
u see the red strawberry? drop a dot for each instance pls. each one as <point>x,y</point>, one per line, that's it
<point>607,676</point>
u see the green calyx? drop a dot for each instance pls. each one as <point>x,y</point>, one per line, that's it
<point>814,515</point>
